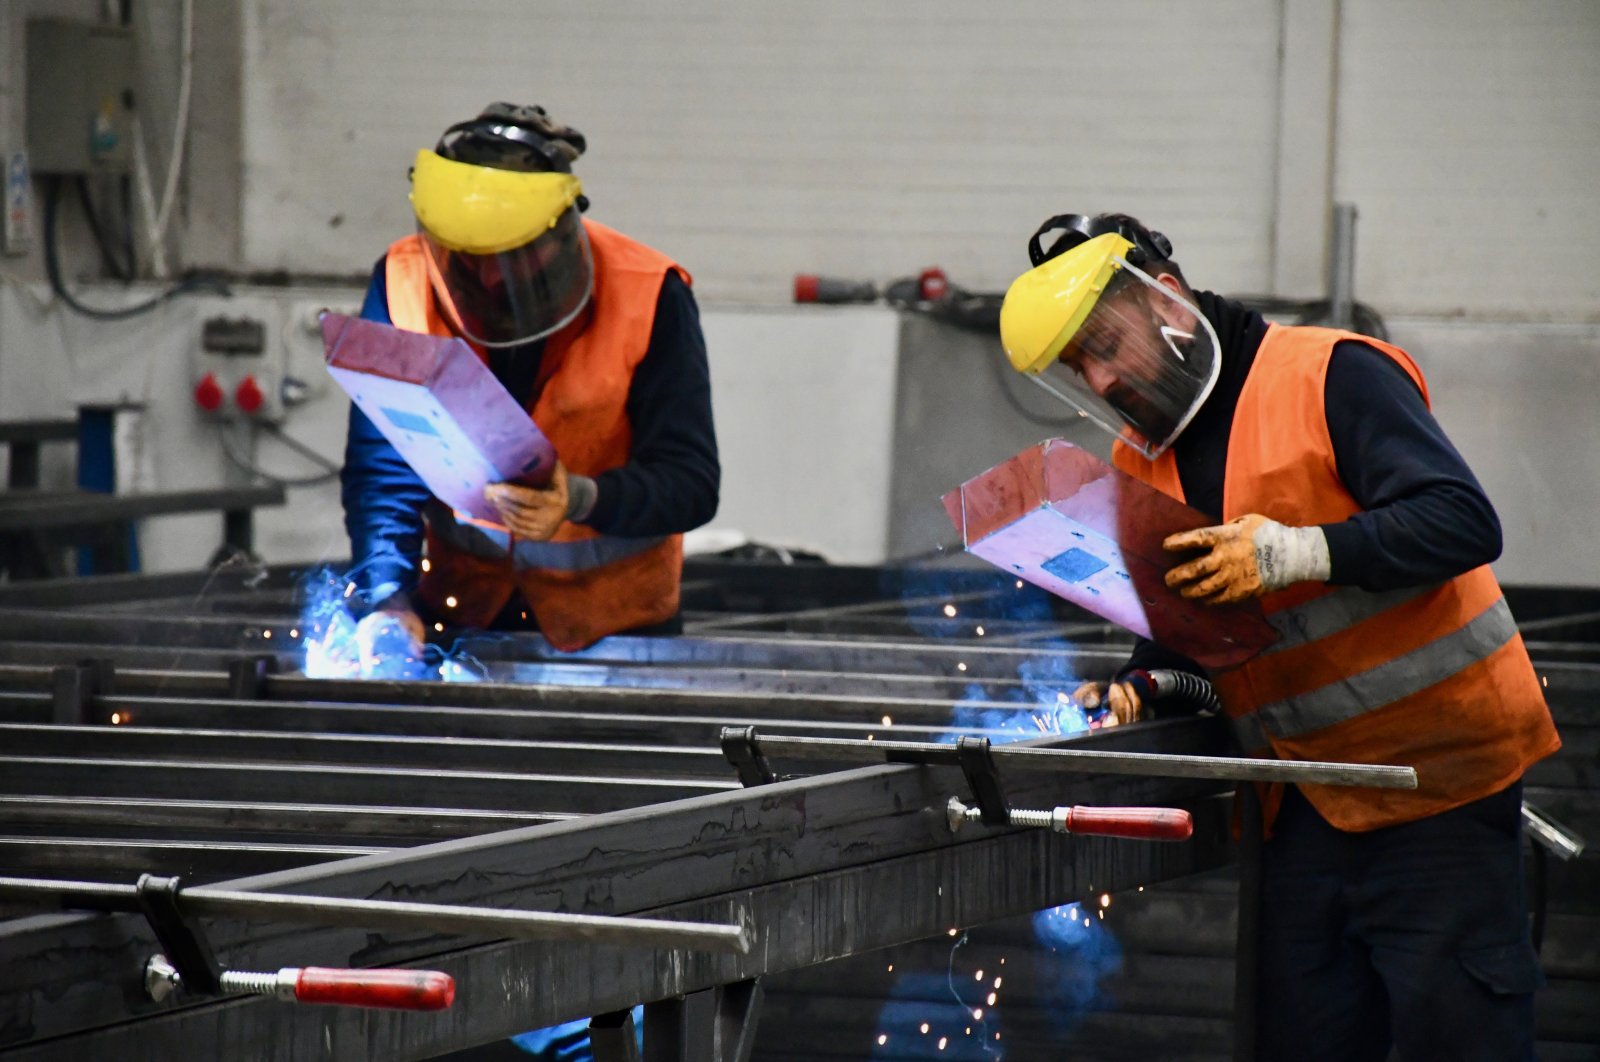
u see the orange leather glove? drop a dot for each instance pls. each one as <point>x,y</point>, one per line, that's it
<point>531,513</point>
<point>1247,557</point>
<point>1119,697</point>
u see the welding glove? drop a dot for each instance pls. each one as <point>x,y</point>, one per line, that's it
<point>534,513</point>
<point>1120,699</point>
<point>1247,557</point>
<point>397,609</point>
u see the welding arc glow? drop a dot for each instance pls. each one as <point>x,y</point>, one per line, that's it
<point>376,646</point>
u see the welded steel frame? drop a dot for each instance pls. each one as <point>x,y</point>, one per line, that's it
<point>822,866</point>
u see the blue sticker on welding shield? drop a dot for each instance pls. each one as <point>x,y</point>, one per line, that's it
<point>1074,566</point>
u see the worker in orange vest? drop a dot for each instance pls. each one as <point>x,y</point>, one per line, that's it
<point>1391,918</point>
<point>598,337</point>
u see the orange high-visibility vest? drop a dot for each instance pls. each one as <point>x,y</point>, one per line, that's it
<point>581,584</point>
<point>1432,677</point>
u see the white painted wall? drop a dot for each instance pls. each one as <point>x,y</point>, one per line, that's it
<point>757,140</point>
<point>1467,135</point>
<point>753,141</point>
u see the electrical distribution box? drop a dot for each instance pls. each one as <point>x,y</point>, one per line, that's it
<point>80,91</point>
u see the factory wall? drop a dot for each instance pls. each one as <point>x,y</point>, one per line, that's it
<point>870,140</point>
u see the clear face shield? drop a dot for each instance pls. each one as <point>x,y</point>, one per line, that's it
<point>518,295</point>
<point>1125,350</point>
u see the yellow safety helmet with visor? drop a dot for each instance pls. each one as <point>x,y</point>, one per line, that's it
<point>1127,350</point>
<point>499,214</point>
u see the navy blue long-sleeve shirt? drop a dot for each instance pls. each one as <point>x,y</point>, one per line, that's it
<point>668,485</point>
<point>1424,518</point>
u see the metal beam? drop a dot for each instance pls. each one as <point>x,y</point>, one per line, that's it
<point>786,838</point>
<point>505,988</point>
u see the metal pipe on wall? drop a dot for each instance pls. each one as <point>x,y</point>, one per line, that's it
<point>1342,267</point>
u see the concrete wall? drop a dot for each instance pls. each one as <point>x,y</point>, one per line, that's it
<point>754,141</point>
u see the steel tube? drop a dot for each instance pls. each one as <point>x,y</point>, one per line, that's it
<point>1220,768</point>
<point>389,914</point>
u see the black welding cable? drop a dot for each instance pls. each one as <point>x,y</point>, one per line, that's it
<point>239,461</point>
<point>118,267</point>
<point>52,268</point>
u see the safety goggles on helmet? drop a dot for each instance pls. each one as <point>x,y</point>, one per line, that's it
<point>1104,336</point>
<point>507,252</point>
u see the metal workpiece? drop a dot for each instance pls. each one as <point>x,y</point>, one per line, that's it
<point>416,918</point>
<point>1555,838</point>
<point>1021,756</point>
<point>587,784</point>
<point>853,841</point>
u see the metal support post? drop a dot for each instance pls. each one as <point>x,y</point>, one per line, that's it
<point>247,677</point>
<point>712,1025</point>
<point>74,688</point>
<point>1247,954</point>
<point>613,1038</point>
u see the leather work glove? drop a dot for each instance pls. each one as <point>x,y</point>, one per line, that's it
<point>1247,557</point>
<point>532,513</point>
<point>1120,698</point>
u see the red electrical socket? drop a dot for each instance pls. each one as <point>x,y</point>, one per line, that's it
<point>208,394</point>
<point>248,396</point>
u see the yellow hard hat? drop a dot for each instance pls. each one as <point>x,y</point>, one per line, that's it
<point>1045,307</point>
<point>483,210</point>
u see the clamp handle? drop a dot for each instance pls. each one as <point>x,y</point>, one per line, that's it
<point>1150,824</point>
<point>390,989</point>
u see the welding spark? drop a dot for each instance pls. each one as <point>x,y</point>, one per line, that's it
<point>450,602</point>
<point>266,634</point>
<point>116,718</point>
<point>992,997</point>
<point>949,610</point>
<point>427,565</point>
<point>924,1028</point>
<point>1105,899</point>
<point>888,721</point>
<point>882,1039</point>
<point>980,632</point>
<point>942,1041</point>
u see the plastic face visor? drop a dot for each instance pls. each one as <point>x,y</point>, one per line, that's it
<point>1140,364</point>
<point>519,295</point>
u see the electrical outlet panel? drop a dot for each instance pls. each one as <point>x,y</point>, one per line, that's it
<point>235,373</point>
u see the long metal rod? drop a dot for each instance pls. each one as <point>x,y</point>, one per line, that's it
<point>1220,768</point>
<point>390,914</point>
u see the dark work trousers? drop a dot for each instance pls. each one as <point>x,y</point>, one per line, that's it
<point>1413,937</point>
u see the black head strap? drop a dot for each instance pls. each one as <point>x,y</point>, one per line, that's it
<point>1148,245</point>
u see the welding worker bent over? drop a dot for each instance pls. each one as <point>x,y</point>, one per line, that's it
<point>598,337</point>
<point>1390,917</point>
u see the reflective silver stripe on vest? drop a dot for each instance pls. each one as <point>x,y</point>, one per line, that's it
<point>550,556</point>
<point>1331,613</point>
<point>1381,686</point>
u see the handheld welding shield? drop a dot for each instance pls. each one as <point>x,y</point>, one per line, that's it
<point>499,213</point>
<point>1126,349</point>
